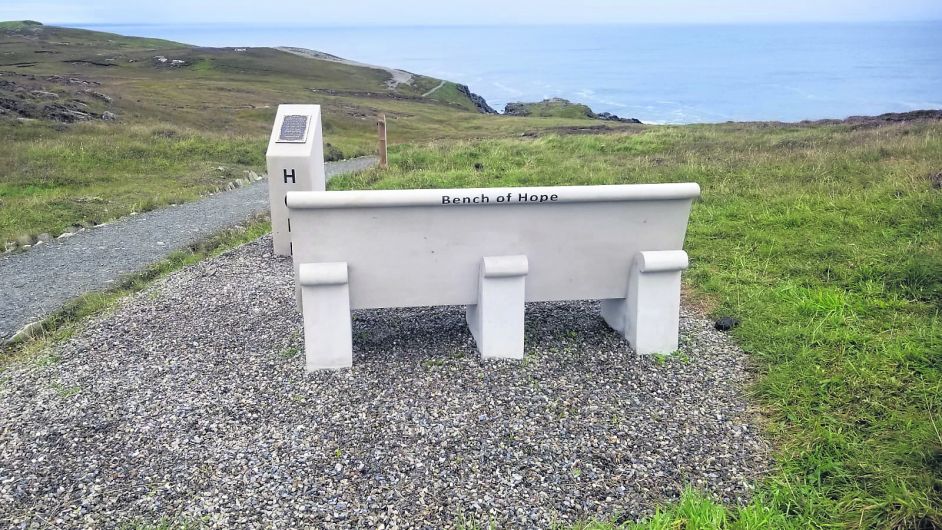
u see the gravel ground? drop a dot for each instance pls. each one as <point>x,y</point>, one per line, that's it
<point>190,401</point>
<point>39,281</point>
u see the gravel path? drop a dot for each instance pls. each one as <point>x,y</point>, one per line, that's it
<point>191,401</point>
<point>37,282</point>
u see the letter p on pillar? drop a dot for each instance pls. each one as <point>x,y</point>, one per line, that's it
<point>295,159</point>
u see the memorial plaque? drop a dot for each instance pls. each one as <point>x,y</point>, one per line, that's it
<point>293,129</point>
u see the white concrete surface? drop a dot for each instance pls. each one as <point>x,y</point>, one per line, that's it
<point>325,302</point>
<point>407,248</point>
<point>496,320</point>
<point>649,315</point>
<point>293,165</point>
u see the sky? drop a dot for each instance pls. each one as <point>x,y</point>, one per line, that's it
<point>461,12</point>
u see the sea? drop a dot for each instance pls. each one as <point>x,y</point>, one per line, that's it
<point>656,73</point>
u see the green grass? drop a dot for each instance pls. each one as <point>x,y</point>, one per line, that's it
<point>827,243</point>
<point>175,125</point>
<point>692,511</point>
<point>56,179</point>
<point>53,178</point>
<point>291,352</point>
<point>166,523</point>
<point>696,512</point>
<point>448,93</point>
<point>19,25</point>
<point>66,392</point>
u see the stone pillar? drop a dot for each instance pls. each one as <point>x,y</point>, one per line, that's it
<point>325,302</point>
<point>649,316</point>
<point>295,160</point>
<point>496,321</point>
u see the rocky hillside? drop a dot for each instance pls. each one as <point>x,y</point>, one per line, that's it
<point>70,75</point>
<point>95,126</point>
<point>64,75</point>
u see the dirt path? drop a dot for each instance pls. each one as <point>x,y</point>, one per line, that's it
<point>37,282</point>
<point>432,91</point>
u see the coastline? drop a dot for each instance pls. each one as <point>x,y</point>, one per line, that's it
<point>655,73</point>
<point>398,77</point>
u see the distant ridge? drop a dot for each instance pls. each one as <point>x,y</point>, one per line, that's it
<point>398,77</point>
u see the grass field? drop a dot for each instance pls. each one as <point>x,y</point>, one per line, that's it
<point>176,124</point>
<point>56,179</point>
<point>827,242</point>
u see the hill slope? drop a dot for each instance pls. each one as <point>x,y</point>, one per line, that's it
<point>130,69</point>
<point>96,125</point>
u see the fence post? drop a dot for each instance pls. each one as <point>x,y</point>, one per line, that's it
<point>381,130</point>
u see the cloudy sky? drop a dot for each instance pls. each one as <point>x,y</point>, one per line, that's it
<point>421,12</point>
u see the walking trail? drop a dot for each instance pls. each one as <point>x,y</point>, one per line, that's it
<point>40,281</point>
<point>432,91</point>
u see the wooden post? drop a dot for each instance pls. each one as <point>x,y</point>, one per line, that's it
<point>381,130</point>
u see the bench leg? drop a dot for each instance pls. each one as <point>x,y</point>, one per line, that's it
<point>496,321</point>
<point>649,317</point>
<point>325,303</point>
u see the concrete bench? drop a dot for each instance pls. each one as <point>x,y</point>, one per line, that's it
<point>491,249</point>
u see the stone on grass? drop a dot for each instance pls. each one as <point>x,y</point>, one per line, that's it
<point>26,332</point>
<point>726,323</point>
<point>44,94</point>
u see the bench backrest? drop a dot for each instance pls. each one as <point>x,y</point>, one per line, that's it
<point>407,248</point>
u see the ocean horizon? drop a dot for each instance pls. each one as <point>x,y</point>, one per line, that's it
<point>660,73</point>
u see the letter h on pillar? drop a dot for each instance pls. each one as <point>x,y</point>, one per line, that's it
<point>496,321</point>
<point>295,160</point>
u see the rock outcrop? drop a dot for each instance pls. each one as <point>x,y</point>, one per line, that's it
<point>27,97</point>
<point>562,108</point>
<point>479,102</point>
